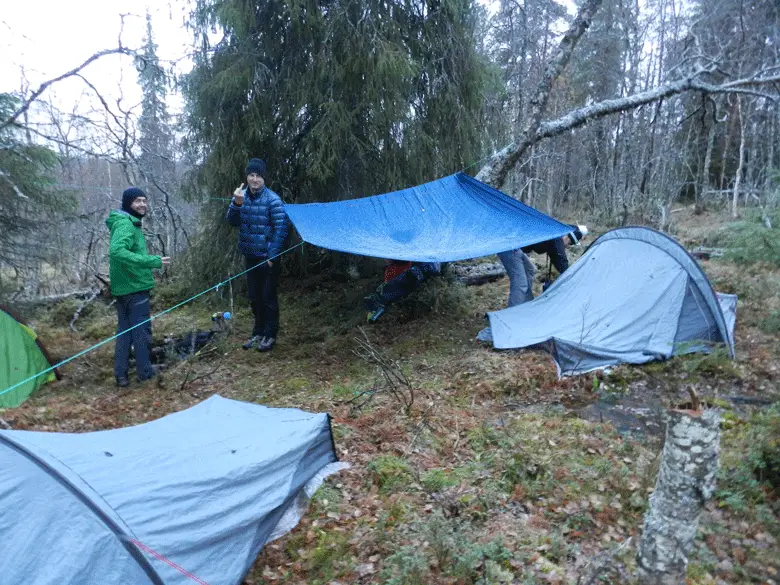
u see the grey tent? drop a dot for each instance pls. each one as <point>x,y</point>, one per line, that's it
<point>636,295</point>
<point>189,498</point>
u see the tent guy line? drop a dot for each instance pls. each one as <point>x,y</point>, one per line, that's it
<point>167,561</point>
<point>150,319</point>
<point>423,223</point>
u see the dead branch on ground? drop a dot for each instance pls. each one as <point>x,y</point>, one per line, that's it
<point>397,384</point>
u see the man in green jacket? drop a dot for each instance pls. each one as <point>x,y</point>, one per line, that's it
<point>130,270</point>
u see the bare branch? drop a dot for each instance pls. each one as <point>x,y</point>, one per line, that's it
<point>46,84</point>
<point>495,172</point>
<point>502,162</point>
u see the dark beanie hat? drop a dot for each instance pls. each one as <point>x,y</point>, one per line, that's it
<point>129,195</point>
<point>255,165</point>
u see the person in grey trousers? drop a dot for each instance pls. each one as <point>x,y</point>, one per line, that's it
<point>521,272</point>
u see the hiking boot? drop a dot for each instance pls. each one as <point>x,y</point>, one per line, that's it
<point>157,373</point>
<point>122,381</point>
<point>372,316</point>
<point>266,344</point>
<point>371,302</point>
<point>252,342</point>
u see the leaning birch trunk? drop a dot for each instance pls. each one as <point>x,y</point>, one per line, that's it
<point>741,165</point>
<point>686,480</point>
<point>704,176</point>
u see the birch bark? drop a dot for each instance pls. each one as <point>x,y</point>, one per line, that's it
<point>686,480</point>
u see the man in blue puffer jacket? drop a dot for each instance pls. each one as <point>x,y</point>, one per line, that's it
<point>259,215</point>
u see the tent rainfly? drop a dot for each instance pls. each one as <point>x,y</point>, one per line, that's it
<point>21,356</point>
<point>188,498</point>
<point>636,295</point>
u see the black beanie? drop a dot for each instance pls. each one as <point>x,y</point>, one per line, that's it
<point>255,165</point>
<point>128,196</point>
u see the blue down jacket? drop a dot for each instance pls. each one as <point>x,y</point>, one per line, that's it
<point>261,222</point>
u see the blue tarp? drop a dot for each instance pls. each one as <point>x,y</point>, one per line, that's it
<point>449,219</point>
<point>204,488</point>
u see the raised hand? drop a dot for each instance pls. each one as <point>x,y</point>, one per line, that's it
<point>238,195</point>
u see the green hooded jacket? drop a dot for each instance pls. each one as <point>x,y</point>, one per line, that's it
<point>130,266</point>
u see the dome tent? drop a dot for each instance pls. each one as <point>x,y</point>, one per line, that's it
<point>188,498</point>
<point>635,296</point>
<point>22,356</point>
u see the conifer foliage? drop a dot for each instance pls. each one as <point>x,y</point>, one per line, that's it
<point>26,197</point>
<point>343,98</point>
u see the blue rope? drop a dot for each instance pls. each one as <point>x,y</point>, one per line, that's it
<point>149,320</point>
<point>192,298</point>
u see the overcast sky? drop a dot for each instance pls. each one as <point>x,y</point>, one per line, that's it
<point>50,37</point>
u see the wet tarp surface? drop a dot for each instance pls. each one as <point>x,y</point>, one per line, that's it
<point>450,219</point>
<point>204,488</point>
<point>636,295</point>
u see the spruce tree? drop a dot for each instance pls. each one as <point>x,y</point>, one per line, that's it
<point>342,98</point>
<point>156,161</point>
<point>27,202</point>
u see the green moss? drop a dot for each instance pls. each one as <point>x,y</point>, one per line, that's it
<point>328,559</point>
<point>436,480</point>
<point>390,473</point>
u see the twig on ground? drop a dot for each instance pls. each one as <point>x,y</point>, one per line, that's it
<point>196,378</point>
<point>418,429</point>
<point>398,385</point>
<point>695,402</point>
<point>599,563</point>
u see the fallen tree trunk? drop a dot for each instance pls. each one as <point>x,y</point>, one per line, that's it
<point>479,273</point>
<point>706,253</point>
<point>686,480</point>
<point>80,308</point>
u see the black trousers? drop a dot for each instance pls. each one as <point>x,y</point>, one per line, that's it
<point>261,283</point>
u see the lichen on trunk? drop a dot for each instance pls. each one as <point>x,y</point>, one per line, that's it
<point>686,480</point>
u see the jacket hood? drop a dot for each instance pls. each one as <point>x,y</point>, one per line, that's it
<point>117,215</point>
